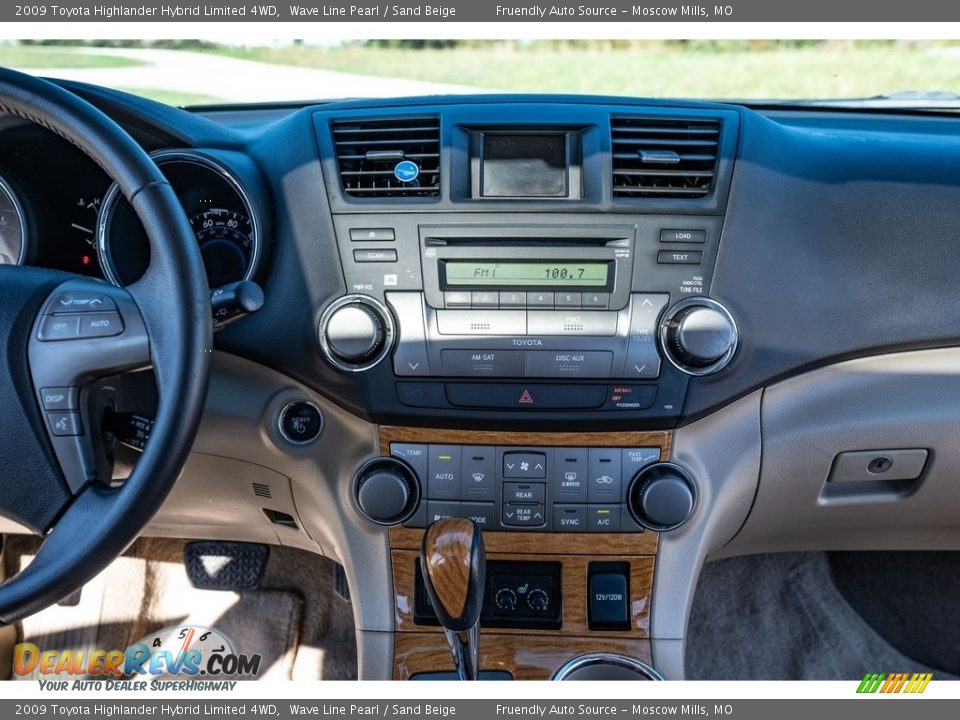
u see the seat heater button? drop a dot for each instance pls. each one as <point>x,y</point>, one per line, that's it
<point>59,398</point>
<point>100,324</point>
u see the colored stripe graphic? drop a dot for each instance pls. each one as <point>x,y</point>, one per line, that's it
<point>894,683</point>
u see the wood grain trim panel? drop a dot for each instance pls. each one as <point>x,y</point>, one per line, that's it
<point>597,545</point>
<point>657,438</point>
<point>574,595</point>
<point>526,657</point>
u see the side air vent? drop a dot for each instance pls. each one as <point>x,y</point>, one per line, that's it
<point>663,157</point>
<point>388,158</point>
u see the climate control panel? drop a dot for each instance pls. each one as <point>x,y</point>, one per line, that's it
<point>515,488</point>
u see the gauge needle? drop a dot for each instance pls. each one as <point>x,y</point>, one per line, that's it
<point>81,228</point>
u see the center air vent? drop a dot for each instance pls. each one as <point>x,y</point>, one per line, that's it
<point>663,157</point>
<point>388,158</point>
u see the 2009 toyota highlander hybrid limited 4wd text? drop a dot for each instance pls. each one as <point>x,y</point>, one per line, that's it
<point>476,385</point>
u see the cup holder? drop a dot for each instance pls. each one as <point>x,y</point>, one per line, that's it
<point>606,666</point>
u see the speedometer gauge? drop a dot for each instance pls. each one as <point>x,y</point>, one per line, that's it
<point>222,217</point>
<point>13,227</point>
<point>225,244</point>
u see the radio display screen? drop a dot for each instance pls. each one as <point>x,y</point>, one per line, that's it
<point>468,273</point>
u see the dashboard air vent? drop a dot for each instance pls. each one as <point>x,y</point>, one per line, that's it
<point>388,158</point>
<point>663,157</point>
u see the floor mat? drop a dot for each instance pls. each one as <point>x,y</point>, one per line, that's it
<point>294,620</point>
<point>780,617</point>
<point>910,598</point>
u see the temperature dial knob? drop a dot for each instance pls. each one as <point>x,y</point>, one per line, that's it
<point>505,599</point>
<point>386,490</point>
<point>356,332</point>
<point>699,336</point>
<point>538,599</point>
<point>661,496</point>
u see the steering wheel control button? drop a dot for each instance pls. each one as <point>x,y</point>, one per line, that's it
<point>443,473</point>
<point>387,490</point>
<point>65,424</point>
<point>301,422</point>
<point>603,518</point>
<point>356,332</point>
<point>699,336</point>
<point>60,398</point>
<point>608,596</point>
<point>683,236</point>
<point>81,302</point>
<point>59,327</point>
<point>522,465</point>
<point>605,481</point>
<point>661,496</point>
<point>94,325</point>
<point>570,518</point>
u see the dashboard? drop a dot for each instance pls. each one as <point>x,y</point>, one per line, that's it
<point>623,336</point>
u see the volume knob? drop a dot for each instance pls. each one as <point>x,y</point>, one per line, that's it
<point>355,332</point>
<point>699,336</point>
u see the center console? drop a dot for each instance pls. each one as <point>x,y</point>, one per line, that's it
<point>527,297</point>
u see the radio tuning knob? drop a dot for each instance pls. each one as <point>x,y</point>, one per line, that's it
<point>699,336</point>
<point>356,332</point>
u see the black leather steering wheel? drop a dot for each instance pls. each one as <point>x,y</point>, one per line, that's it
<point>60,332</point>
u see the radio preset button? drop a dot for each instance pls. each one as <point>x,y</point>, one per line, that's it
<point>590,364</point>
<point>598,301</point>
<point>514,300</point>
<point>456,299</point>
<point>567,300</point>
<point>558,322</point>
<point>485,299</point>
<point>480,363</point>
<point>540,299</point>
<point>494,322</point>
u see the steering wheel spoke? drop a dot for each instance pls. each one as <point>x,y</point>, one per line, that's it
<point>85,330</point>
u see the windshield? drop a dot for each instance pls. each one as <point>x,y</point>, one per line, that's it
<point>926,73</point>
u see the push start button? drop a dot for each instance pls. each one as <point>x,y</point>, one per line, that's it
<point>300,422</point>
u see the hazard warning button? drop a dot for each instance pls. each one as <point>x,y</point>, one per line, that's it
<point>535,396</point>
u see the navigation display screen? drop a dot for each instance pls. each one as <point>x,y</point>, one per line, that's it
<point>525,166</point>
<point>526,274</point>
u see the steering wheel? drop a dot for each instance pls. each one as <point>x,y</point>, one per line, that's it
<point>60,333</point>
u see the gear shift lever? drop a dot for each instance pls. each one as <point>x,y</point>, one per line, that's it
<point>453,563</point>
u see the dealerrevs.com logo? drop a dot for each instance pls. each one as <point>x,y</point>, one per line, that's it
<point>185,652</point>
